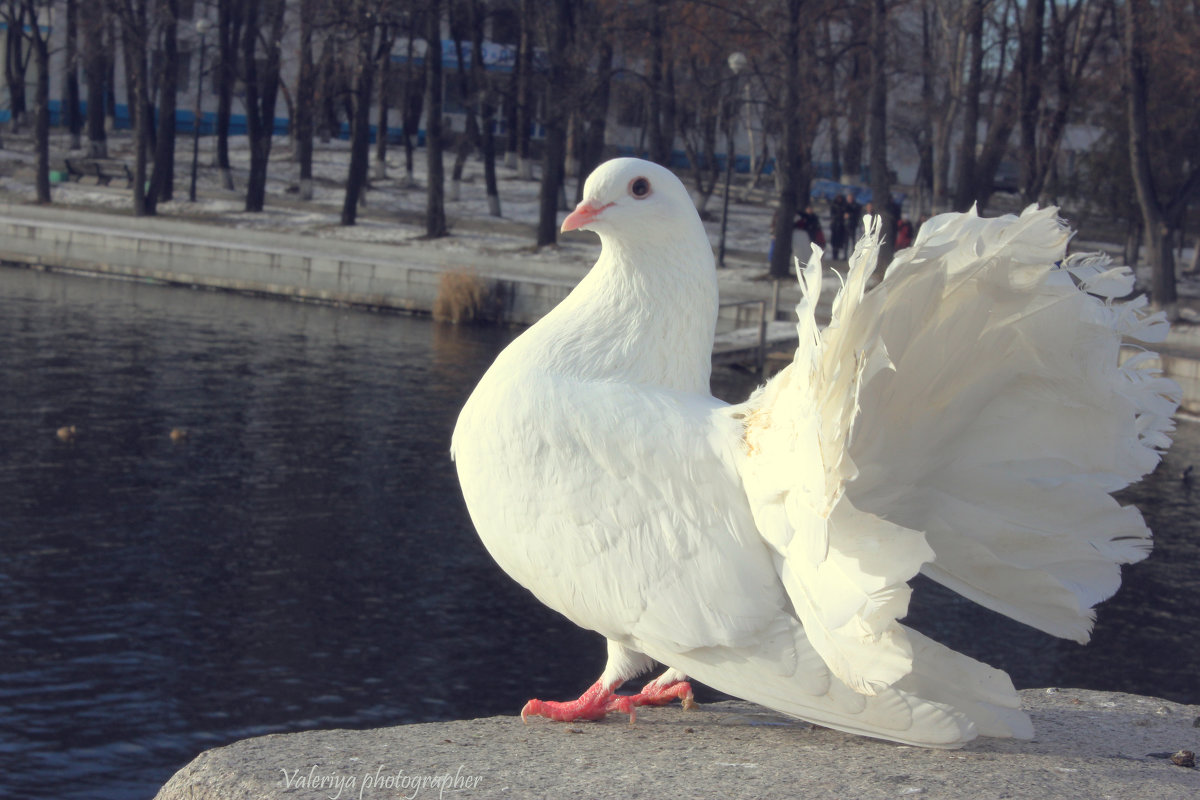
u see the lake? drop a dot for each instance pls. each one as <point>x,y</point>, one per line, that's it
<point>303,559</point>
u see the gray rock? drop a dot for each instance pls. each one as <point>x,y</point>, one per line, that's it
<point>1089,745</point>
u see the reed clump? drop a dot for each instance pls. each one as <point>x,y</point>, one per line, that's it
<point>461,296</point>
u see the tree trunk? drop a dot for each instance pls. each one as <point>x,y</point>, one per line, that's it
<point>661,91</point>
<point>965,190</point>
<point>360,127</point>
<point>262,87</point>
<point>381,126</point>
<point>15,62</point>
<point>303,124</point>
<point>133,41</point>
<point>995,145</point>
<point>857,102</point>
<point>162,181</point>
<point>469,138</point>
<point>557,108</point>
<point>71,116</point>
<point>435,196</point>
<point>1133,243</point>
<point>925,164</point>
<point>881,184</point>
<point>323,102</point>
<point>487,109</point>
<point>41,122</point>
<point>96,72</point>
<point>524,79</point>
<point>229,24</point>
<point>509,107</point>
<point>789,147</point>
<point>1029,71</point>
<point>597,114</point>
<point>414,100</point>
<point>1154,221</point>
<point>110,72</point>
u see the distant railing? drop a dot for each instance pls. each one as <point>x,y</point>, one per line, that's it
<point>733,346</point>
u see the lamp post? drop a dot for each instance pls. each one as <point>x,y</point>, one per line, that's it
<point>737,63</point>
<point>202,26</point>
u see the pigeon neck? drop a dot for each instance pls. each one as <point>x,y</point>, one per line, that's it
<point>644,314</point>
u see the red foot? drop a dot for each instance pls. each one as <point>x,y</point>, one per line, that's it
<point>655,694</point>
<point>598,701</point>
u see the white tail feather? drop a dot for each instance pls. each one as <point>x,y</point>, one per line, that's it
<point>969,417</point>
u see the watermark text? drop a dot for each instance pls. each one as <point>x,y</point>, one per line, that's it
<point>338,785</point>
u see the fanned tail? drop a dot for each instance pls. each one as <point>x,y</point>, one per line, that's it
<point>1010,417</point>
<point>969,418</point>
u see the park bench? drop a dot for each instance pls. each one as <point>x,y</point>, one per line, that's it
<point>103,170</point>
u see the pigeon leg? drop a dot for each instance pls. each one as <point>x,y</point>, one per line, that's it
<point>671,685</point>
<point>601,698</point>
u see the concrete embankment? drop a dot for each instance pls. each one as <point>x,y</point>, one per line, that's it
<point>289,265</point>
<point>1089,744</point>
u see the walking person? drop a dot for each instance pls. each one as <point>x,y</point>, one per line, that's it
<point>837,226</point>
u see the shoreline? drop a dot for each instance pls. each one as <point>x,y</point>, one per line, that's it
<point>520,287</point>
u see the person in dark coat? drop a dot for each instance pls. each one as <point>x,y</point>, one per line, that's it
<point>837,226</point>
<point>853,217</point>
<point>810,223</point>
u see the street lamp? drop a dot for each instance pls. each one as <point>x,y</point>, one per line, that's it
<point>202,26</point>
<point>737,63</point>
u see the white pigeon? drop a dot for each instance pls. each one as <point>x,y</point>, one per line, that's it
<point>967,418</point>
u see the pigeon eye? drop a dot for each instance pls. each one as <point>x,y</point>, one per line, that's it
<point>639,188</point>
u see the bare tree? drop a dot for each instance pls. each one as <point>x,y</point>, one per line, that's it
<point>559,22</point>
<point>302,125</point>
<point>1075,29</point>
<point>40,48</point>
<point>461,24</point>
<point>660,83</point>
<point>71,113</point>
<point>96,61</point>
<point>435,192</point>
<point>1160,210</point>
<point>15,15</point>
<point>881,184</point>
<point>17,56</point>
<point>964,193</point>
<point>384,95</point>
<point>230,14</point>
<point>370,28</point>
<point>134,20</point>
<point>487,107</point>
<point>792,148</point>
<point>523,93</point>
<point>413,98</point>
<point>263,25</point>
<point>1029,70</point>
<point>162,180</point>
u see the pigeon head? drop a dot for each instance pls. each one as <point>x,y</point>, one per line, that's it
<point>630,195</point>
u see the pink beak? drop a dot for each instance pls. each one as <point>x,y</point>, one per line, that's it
<point>584,214</point>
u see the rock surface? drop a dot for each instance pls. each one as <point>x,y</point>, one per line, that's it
<point>1089,745</point>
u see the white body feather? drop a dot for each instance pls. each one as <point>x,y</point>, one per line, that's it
<point>967,418</point>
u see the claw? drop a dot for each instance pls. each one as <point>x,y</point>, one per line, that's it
<point>600,700</point>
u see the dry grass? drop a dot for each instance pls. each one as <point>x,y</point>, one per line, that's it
<point>460,298</point>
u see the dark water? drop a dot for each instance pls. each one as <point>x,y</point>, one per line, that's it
<point>303,559</point>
